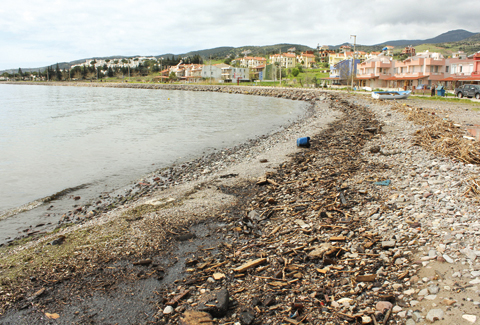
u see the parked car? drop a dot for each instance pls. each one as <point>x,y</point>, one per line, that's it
<point>423,86</point>
<point>468,90</point>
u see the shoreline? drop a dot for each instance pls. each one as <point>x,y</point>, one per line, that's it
<point>394,242</point>
<point>87,210</point>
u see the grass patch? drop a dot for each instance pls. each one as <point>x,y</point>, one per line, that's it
<point>17,264</point>
<point>446,99</point>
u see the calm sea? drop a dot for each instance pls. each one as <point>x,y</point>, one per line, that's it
<point>53,138</point>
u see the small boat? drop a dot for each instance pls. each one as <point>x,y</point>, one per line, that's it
<point>391,94</point>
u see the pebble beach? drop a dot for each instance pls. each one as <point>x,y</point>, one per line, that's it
<point>369,225</point>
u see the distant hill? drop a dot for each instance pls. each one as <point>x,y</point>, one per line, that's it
<point>446,43</point>
<point>450,36</point>
<point>214,54</point>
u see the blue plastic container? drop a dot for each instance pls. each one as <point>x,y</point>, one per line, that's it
<point>303,142</point>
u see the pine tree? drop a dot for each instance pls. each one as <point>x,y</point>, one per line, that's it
<point>58,73</point>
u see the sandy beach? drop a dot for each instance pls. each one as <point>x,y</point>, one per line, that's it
<point>318,240</point>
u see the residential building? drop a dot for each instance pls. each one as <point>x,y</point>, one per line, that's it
<point>409,50</point>
<point>341,73</point>
<point>324,54</point>
<point>225,72</point>
<point>426,68</point>
<point>213,72</point>
<point>285,60</point>
<point>251,61</point>
<point>258,72</point>
<point>231,74</point>
<point>334,59</point>
<point>373,71</point>
<point>306,59</point>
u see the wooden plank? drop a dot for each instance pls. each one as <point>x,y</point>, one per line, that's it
<point>250,264</point>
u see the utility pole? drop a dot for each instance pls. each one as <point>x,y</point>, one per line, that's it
<point>280,52</point>
<point>353,61</point>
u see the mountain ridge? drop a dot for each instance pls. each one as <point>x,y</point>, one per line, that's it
<point>458,35</point>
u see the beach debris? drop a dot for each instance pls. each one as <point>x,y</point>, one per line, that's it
<point>303,142</point>
<point>192,317</point>
<point>52,316</point>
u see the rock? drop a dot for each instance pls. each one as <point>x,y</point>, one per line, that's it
<point>366,319</point>
<point>345,300</point>
<point>58,241</point>
<point>397,309</point>
<point>191,317</point>
<point>319,251</point>
<point>269,301</point>
<point>247,316</point>
<point>447,258</point>
<point>143,262</point>
<point>434,315</point>
<point>218,276</point>
<point>388,244</point>
<point>215,303</point>
<point>381,306</point>
<point>423,292</point>
<point>168,310</point>
<point>433,289</point>
<point>470,318</point>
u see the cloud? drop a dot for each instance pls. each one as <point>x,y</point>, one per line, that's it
<point>46,32</point>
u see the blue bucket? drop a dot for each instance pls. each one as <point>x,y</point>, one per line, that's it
<point>303,142</point>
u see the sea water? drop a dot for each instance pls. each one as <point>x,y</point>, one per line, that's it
<point>53,138</point>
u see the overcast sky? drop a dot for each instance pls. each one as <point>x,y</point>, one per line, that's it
<point>37,33</point>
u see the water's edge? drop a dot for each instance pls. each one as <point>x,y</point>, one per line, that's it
<point>135,191</point>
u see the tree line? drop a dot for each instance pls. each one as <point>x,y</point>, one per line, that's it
<point>94,70</point>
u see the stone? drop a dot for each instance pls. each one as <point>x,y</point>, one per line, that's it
<point>470,318</point>
<point>433,289</point>
<point>448,302</point>
<point>447,258</point>
<point>366,319</point>
<point>423,292</point>
<point>247,316</point>
<point>319,251</point>
<point>397,309</point>
<point>168,310</point>
<point>191,317</point>
<point>388,244</point>
<point>381,306</point>
<point>469,253</point>
<point>345,300</point>
<point>218,276</point>
<point>215,303</point>
<point>434,315</point>
<point>431,297</point>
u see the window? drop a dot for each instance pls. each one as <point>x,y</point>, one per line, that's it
<point>454,68</point>
<point>460,68</point>
<point>446,68</point>
<point>436,68</point>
